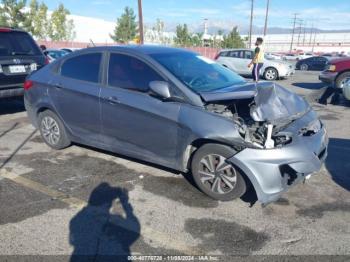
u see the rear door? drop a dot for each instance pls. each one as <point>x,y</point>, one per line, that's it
<point>134,122</point>
<point>19,56</point>
<point>75,95</point>
<point>236,61</point>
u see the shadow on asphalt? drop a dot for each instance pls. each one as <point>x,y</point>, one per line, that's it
<point>337,162</point>
<point>11,105</point>
<point>98,235</point>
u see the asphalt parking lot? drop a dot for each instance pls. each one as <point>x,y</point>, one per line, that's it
<point>84,200</point>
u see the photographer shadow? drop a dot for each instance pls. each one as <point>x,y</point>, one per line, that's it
<point>98,235</point>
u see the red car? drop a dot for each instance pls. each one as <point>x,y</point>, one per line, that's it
<point>337,72</point>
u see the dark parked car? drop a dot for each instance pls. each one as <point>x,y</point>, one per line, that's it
<point>312,63</point>
<point>337,72</point>
<point>19,56</point>
<point>178,109</point>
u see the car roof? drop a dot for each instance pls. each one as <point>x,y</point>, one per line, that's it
<point>140,49</point>
<point>235,49</point>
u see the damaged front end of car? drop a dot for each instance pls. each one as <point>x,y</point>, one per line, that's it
<point>284,141</point>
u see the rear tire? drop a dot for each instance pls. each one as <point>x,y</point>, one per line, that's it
<point>340,81</point>
<point>304,67</point>
<point>213,176</point>
<point>52,130</point>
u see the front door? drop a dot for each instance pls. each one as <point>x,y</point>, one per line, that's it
<point>134,122</point>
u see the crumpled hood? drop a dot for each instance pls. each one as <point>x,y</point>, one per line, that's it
<point>273,103</point>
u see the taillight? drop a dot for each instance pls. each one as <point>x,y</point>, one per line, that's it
<point>47,61</point>
<point>217,56</point>
<point>4,29</point>
<point>27,84</point>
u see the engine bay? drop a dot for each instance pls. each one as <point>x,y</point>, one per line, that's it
<point>257,134</point>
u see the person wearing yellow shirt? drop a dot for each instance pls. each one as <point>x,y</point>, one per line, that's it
<point>258,59</point>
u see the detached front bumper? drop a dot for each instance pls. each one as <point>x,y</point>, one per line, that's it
<point>327,77</point>
<point>274,171</point>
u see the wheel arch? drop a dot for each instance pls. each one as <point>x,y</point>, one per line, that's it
<point>340,73</point>
<point>252,185</point>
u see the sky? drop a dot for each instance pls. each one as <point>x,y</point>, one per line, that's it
<point>324,14</point>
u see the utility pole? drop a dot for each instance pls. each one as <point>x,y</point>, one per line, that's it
<point>291,43</point>
<point>311,31</point>
<point>140,21</point>
<point>304,33</point>
<point>266,17</point>
<point>251,24</point>
<point>300,24</point>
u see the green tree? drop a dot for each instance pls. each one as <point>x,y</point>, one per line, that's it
<point>29,17</point>
<point>36,21</point>
<point>233,40</point>
<point>41,22</point>
<point>183,37</point>
<point>60,27</point>
<point>11,13</point>
<point>126,27</point>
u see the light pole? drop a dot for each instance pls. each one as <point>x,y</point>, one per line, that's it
<point>140,21</point>
<point>251,24</point>
<point>267,14</point>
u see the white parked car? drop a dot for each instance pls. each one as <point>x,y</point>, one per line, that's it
<point>238,60</point>
<point>290,57</point>
<point>273,56</point>
<point>305,55</point>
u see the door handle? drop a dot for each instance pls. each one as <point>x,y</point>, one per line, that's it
<point>57,85</point>
<point>112,100</point>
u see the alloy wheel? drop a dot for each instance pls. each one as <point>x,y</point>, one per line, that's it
<point>50,130</point>
<point>217,175</point>
<point>304,67</point>
<point>270,74</point>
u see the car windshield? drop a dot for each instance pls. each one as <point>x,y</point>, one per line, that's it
<point>17,43</point>
<point>56,53</point>
<point>197,72</point>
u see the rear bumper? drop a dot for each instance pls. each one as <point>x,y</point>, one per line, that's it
<point>274,171</point>
<point>327,77</point>
<point>30,112</point>
<point>11,90</point>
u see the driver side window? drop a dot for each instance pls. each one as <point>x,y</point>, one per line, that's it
<point>130,73</point>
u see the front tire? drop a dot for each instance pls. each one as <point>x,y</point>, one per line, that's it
<point>53,131</point>
<point>270,74</point>
<point>213,176</point>
<point>340,81</point>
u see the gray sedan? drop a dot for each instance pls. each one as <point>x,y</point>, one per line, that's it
<point>183,111</point>
<point>238,59</point>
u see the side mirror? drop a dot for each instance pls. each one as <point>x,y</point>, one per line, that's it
<point>160,88</point>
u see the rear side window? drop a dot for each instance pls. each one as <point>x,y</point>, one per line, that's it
<point>17,43</point>
<point>130,73</point>
<point>223,54</point>
<point>83,67</point>
<point>236,54</point>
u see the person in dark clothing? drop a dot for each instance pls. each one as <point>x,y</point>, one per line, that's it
<point>258,59</point>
